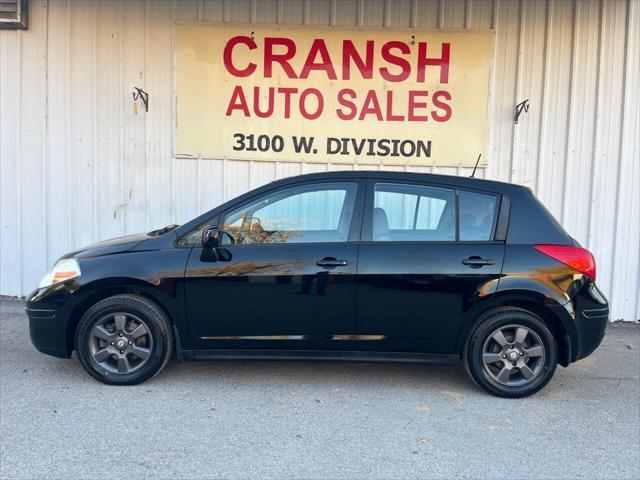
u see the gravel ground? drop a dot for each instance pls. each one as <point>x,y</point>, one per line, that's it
<point>314,420</point>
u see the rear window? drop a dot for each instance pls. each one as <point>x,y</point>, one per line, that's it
<point>477,215</point>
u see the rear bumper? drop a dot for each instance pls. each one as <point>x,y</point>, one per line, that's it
<point>591,320</point>
<point>592,326</point>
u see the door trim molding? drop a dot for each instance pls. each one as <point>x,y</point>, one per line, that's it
<point>293,337</point>
<point>315,355</point>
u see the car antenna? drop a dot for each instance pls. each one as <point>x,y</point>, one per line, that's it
<point>474,168</point>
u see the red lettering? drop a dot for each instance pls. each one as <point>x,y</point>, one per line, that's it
<point>349,53</point>
<point>256,103</point>
<point>318,47</point>
<point>371,105</point>
<point>228,56</point>
<point>282,58</point>
<point>442,62</point>
<point>303,107</point>
<point>413,104</point>
<point>238,102</point>
<point>287,99</point>
<point>396,60</point>
<point>342,100</point>
<point>397,57</point>
<point>390,116</point>
<point>441,105</point>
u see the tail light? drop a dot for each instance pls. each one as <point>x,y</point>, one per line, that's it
<point>577,258</point>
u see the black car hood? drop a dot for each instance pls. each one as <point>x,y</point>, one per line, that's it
<point>108,247</point>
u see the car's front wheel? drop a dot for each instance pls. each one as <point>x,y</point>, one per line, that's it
<point>511,353</point>
<point>124,340</point>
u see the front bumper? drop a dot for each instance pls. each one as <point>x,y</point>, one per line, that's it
<point>48,333</point>
<point>49,311</point>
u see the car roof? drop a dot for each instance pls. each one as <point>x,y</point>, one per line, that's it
<point>452,180</point>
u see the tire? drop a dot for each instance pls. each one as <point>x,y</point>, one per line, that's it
<point>124,340</point>
<point>505,371</point>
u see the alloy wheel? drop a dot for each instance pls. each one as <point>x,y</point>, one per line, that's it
<point>121,343</point>
<point>513,355</point>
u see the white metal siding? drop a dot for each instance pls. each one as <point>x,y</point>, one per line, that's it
<point>77,164</point>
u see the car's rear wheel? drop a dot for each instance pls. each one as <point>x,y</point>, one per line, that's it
<point>511,353</point>
<point>124,340</point>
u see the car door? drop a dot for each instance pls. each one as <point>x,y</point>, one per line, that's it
<point>420,268</point>
<point>283,276</point>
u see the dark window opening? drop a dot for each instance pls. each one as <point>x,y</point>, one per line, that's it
<point>13,14</point>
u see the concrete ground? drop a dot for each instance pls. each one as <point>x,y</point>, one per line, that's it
<point>314,420</point>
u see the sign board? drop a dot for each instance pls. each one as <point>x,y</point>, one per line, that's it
<point>332,95</point>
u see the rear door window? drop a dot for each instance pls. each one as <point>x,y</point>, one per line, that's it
<point>404,212</point>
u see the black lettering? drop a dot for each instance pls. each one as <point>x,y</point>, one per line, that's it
<point>333,145</point>
<point>410,151</point>
<point>302,143</point>
<point>426,149</point>
<point>345,146</point>
<point>394,152</point>
<point>277,143</point>
<point>371,143</point>
<point>383,147</point>
<point>357,145</point>
<point>239,141</point>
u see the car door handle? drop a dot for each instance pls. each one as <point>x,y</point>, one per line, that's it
<point>330,262</point>
<point>477,262</point>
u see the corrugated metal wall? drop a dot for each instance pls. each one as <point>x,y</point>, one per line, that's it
<point>78,164</point>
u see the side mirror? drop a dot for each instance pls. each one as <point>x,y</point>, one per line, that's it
<point>211,237</point>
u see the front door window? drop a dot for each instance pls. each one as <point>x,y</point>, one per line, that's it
<point>313,213</point>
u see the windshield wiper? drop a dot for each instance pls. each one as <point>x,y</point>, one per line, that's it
<point>162,231</point>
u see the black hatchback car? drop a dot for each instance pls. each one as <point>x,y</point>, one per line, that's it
<point>364,266</point>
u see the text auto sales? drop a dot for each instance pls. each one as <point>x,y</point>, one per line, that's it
<point>399,64</point>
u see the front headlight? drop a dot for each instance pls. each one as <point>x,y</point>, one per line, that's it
<point>63,270</point>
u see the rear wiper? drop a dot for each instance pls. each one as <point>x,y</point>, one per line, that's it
<point>162,231</point>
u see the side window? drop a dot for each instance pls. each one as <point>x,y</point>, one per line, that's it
<point>319,212</point>
<point>405,212</point>
<point>477,214</point>
<point>194,237</point>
